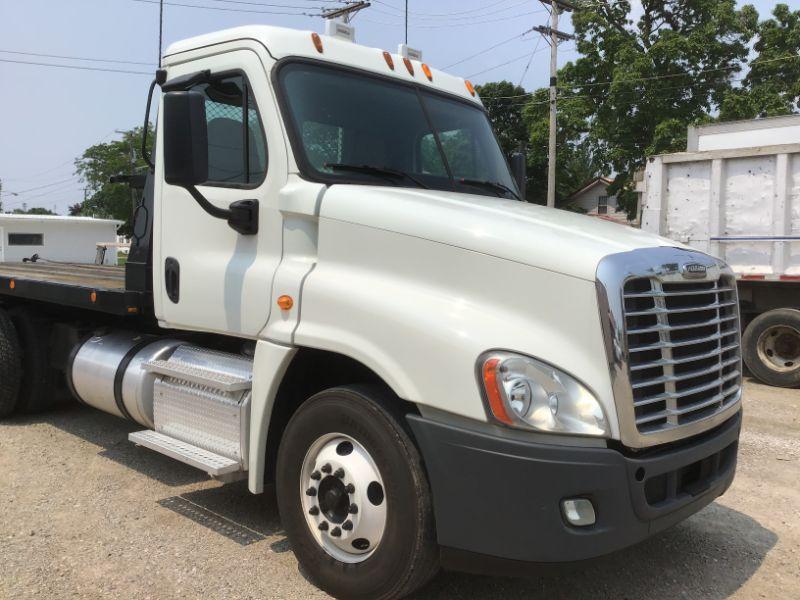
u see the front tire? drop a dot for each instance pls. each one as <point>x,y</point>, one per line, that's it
<point>354,498</point>
<point>771,347</point>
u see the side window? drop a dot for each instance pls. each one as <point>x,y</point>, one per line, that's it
<point>237,149</point>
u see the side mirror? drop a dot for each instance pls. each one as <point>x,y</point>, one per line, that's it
<point>185,139</point>
<point>519,166</point>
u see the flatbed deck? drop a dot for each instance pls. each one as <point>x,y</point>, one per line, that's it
<point>94,287</point>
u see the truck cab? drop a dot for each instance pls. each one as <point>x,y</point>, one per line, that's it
<point>335,286</point>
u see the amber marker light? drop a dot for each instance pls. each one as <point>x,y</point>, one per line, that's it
<point>12,284</point>
<point>409,66</point>
<point>317,42</point>
<point>492,387</point>
<point>93,297</point>
<point>388,58</point>
<point>470,87</point>
<point>427,70</point>
<point>285,302</point>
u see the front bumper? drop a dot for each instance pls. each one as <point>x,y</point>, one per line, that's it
<point>501,498</point>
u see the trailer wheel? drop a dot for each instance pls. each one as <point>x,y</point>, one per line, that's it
<point>10,365</point>
<point>354,498</point>
<point>771,347</point>
<point>41,384</point>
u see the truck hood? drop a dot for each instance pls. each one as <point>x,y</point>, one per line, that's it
<point>556,240</point>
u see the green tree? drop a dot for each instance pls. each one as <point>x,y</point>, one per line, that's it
<point>576,160</point>
<point>504,102</point>
<point>645,78</point>
<point>36,210</point>
<point>102,161</point>
<point>772,86</point>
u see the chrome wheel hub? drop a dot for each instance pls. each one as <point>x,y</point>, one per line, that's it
<point>343,498</point>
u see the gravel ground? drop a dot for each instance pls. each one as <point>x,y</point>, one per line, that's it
<point>85,514</point>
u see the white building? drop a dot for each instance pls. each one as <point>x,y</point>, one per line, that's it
<point>730,135</point>
<point>54,237</point>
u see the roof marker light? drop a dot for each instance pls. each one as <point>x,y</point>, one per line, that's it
<point>470,87</point>
<point>427,70</point>
<point>317,41</point>
<point>409,66</point>
<point>388,58</point>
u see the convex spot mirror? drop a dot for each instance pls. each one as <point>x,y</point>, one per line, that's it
<point>185,139</point>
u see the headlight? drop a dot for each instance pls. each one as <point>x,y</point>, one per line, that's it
<point>529,394</point>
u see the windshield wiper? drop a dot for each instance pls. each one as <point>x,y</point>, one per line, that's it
<point>495,186</point>
<point>375,170</point>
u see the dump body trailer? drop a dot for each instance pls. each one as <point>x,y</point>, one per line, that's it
<point>742,206</point>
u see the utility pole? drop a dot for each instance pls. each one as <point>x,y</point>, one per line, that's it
<point>553,37</point>
<point>406,22</point>
<point>346,13</point>
<point>160,30</point>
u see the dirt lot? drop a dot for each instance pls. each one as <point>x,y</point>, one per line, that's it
<point>85,514</point>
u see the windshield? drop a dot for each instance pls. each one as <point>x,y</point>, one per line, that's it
<point>351,127</point>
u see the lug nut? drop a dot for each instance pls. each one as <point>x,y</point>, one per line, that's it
<point>316,475</point>
<point>336,532</point>
<point>347,525</point>
<point>352,509</point>
<point>312,491</point>
<point>339,473</point>
<point>323,526</point>
<point>326,468</point>
<point>313,511</point>
<point>350,488</point>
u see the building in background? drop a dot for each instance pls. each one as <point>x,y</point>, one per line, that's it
<point>593,199</point>
<point>751,133</point>
<point>56,238</point>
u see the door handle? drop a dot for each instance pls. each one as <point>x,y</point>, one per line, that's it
<point>172,279</point>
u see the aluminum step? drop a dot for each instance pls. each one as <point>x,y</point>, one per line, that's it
<point>224,382</point>
<point>213,464</point>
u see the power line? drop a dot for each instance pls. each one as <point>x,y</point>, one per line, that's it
<point>58,166</point>
<point>442,25</point>
<point>455,16</point>
<point>528,66</point>
<point>78,67</point>
<point>463,60</point>
<point>238,10</point>
<point>448,14</point>
<point>668,76</point>
<point>508,62</point>
<point>40,187</point>
<point>86,58</point>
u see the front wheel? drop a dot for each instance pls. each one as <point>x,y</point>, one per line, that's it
<point>771,347</point>
<point>354,498</point>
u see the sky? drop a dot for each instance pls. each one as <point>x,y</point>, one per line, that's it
<point>50,115</point>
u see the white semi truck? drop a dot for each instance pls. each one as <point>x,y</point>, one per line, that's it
<point>334,286</point>
<point>742,205</point>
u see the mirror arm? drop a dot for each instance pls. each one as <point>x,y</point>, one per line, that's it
<point>242,216</point>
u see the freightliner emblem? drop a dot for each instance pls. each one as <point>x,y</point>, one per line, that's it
<point>693,271</point>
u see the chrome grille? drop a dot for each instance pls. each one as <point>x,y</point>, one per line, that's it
<point>682,342</point>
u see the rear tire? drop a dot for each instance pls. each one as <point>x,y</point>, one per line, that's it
<point>10,365</point>
<point>771,347</point>
<point>397,515</point>
<point>42,385</point>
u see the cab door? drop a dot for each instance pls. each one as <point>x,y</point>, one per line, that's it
<point>208,277</point>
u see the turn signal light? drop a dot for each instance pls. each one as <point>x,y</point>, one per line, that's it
<point>470,87</point>
<point>285,302</point>
<point>427,70</point>
<point>389,61</point>
<point>317,41</point>
<point>492,387</point>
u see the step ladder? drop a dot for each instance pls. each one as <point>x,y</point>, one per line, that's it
<point>201,408</point>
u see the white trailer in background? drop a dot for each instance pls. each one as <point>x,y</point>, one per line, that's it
<point>743,206</point>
